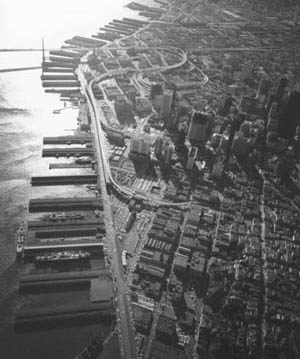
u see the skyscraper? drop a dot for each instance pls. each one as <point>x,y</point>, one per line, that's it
<point>158,147</point>
<point>191,158</point>
<point>166,103</point>
<point>281,88</point>
<point>140,147</point>
<point>168,154</point>
<point>289,118</point>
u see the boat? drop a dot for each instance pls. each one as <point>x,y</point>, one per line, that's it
<point>20,238</point>
<point>62,256</point>
<point>56,112</point>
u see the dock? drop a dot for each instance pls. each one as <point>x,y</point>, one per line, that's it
<point>48,64</point>
<point>35,283</point>
<point>36,246</point>
<point>61,84</point>
<point>62,77</point>
<point>65,204</point>
<point>63,180</point>
<point>66,140</point>
<point>67,152</point>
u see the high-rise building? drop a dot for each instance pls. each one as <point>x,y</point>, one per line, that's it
<point>193,152</point>
<point>198,127</point>
<point>281,88</point>
<point>289,118</point>
<point>159,146</point>
<point>166,103</point>
<point>134,145</point>
<point>225,105</point>
<point>263,89</point>
<point>140,147</point>
<point>218,169</point>
<point>272,119</point>
<point>168,154</point>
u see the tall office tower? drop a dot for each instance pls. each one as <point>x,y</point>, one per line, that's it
<point>140,146</point>
<point>197,132</point>
<point>168,154</point>
<point>272,118</point>
<point>217,170</point>
<point>225,105</point>
<point>272,99</point>
<point>158,147</point>
<point>134,145</point>
<point>193,152</point>
<point>289,118</point>
<point>281,88</point>
<point>145,147</point>
<point>263,89</point>
<point>166,103</point>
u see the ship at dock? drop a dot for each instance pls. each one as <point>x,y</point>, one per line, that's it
<point>62,256</point>
<point>20,239</point>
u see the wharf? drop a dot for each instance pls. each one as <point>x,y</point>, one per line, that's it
<point>125,24</point>
<point>66,140</point>
<point>61,84</point>
<point>69,231</point>
<point>122,27</point>
<point>53,166</point>
<point>36,225</point>
<point>67,77</point>
<point>66,92</point>
<point>141,22</point>
<point>58,70</point>
<point>66,60</point>
<point>67,152</point>
<point>35,246</point>
<point>65,204</point>
<point>109,36</point>
<point>63,180</point>
<point>88,40</point>
<point>118,30</point>
<point>48,64</point>
<point>60,309</point>
<point>65,53</point>
<point>43,282</point>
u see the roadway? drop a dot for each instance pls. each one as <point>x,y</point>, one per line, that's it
<point>124,324</point>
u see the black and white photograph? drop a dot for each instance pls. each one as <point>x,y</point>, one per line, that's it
<point>150,179</point>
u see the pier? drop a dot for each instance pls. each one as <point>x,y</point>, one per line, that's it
<point>64,53</point>
<point>63,180</point>
<point>61,84</point>
<point>35,247</point>
<point>48,64</point>
<point>66,140</point>
<point>42,225</point>
<point>67,152</point>
<point>65,204</point>
<point>35,283</point>
<point>68,231</point>
<point>70,77</point>
<point>20,69</point>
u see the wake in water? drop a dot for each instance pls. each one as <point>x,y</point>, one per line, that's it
<point>14,110</point>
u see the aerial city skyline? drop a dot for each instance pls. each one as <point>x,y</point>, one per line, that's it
<point>151,188</point>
